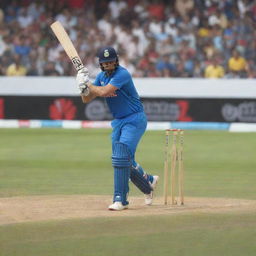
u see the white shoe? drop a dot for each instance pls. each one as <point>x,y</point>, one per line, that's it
<point>149,197</point>
<point>154,183</point>
<point>117,206</point>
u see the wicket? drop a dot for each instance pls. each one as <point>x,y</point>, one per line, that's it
<point>174,142</point>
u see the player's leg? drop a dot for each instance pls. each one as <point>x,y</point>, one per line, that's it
<point>121,161</point>
<point>136,173</point>
<point>120,133</point>
<point>139,169</point>
<point>131,135</point>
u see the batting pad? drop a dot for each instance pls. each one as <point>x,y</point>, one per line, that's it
<point>139,181</point>
<point>121,163</point>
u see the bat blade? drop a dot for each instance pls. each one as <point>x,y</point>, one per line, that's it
<point>67,44</point>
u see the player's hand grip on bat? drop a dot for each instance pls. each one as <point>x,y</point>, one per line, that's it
<point>82,79</point>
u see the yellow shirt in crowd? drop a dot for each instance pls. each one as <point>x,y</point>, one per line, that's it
<point>13,70</point>
<point>214,71</point>
<point>237,64</point>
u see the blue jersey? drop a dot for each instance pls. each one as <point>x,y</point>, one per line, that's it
<point>127,101</point>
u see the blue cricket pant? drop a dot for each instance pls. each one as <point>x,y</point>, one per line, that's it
<point>129,131</point>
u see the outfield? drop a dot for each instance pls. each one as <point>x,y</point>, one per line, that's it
<point>57,163</point>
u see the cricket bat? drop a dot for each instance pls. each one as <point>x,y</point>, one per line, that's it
<point>67,44</point>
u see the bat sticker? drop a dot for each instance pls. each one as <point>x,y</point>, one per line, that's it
<point>77,63</point>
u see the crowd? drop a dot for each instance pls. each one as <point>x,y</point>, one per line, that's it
<point>154,38</point>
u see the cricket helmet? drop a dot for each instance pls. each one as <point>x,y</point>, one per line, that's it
<point>107,54</point>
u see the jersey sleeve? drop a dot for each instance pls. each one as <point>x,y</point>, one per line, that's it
<point>120,78</point>
<point>97,80</point>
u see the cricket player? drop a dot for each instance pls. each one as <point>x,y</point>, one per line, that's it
<point>116,85</point>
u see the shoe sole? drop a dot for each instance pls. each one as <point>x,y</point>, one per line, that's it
<point>110,209</point>
<point>115,210</point>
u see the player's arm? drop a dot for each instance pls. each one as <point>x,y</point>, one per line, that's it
<point>86,98</point>
<point>98,91</point>
<point>103,91</point>
<point>83,82</point>
<point>88,91</point>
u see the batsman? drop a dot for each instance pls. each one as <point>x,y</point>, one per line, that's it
<point>115,84</point>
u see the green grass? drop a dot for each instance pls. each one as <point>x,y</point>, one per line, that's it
<point>192,235</point>
<point>55,161</point>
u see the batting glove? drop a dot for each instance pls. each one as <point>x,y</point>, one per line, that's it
<point>82,79</point>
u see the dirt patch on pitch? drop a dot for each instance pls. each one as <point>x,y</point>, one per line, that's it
<point>43,208</point>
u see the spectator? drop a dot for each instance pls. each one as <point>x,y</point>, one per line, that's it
<point>144,64</point>
<point>214,70</point>
<point>250,53</point>
<point>124,36</point>
<point>50,70</point>
<point>151,72</point>
<point>218,18</point>
<point>156,10</point>
<point>133,51</point>
<point>147,28</point>
<point>24,18</point>
<point>180,70</point>
<point>204,31</point>
<point>198,70</point>
<point>164,67</point>
<point>188,66</point>
<point>141,9</point>
<point>21,47</point>
<point>3,45</point>
<point>237,65</point>
<point>152,53</point>
<point>209,49</point>
<point>162,35</point>
<point>217,38</point>
<point>170,27</point>
<point>124,61</point>
<point>167,47</point>
<point>105,25</point>
<point>184,6</point>
<point>229,35</point>
<point>185,23</point>
<point>33,70</point>
<point>178,38</point>
<point>5,62</point>
<point>35,9</point>
<point>115,7</point>
<point>138,31</point>
<point>16,68</point>
<point>11,12</point>
<point>185,51</point>
<point>155,27</point>
<point>223,21</point>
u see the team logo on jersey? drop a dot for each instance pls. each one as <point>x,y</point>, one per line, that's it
<point>106,53</point>
<point>102,83</point>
